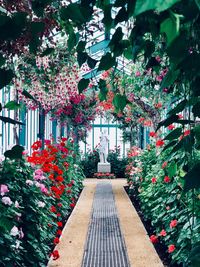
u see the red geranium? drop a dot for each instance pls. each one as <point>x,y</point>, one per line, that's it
<point>152,134</point>
<point>171,127</point>
<point>60,224</point>
<point>163,233</point>
<point>173,223</point>
<point>171,248</point>
<point>53,209</point>
<point>160,142</point>
<point>55,254</point>
<point>153,180</point>
<point>167,179</point>
<point>154,239</point>
<point>56,240</point>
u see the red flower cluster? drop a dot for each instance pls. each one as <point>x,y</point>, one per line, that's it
<point>154,239</point>
<point>55,254</point>
<point>153,134</point>
<point>173,223</point>
<point>160,143</point>
<point>171,248</point>
<point>153,180</point>
<point>47,160</point>
<point>167,179</point>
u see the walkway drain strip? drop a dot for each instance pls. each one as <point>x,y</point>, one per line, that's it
<point>105,246</point>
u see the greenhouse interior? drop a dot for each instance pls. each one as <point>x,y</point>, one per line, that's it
<point>100,133</point>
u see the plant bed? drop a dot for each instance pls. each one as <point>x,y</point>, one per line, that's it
<point>55,253</point>
<point>160,248</point>
<point>104,175</point>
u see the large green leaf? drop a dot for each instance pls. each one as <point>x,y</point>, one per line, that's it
<point>81,46</point>
<point>159,5</point>
<point>170,144</point>
<point>82,57</point>
<point>12,105</point>
<point>196,109</point>
<point>174,134</point>
<point>91,62</point>
<point>34,44</point>
<point>171,27</point>
<point>107,19</point>
<point>172,169</point>
<point>77,13</point>
<point>2,60</point>
<point>9,120</point>
<point>117,36</point>
<point>6,77</point>
<point>122,15</point>
<point>38,6</point>
<point>103,90</point>
<point>198,3</point>
<point>119,102</point>
<point>169,78</point>
<point>26,94</point>
<point>192,178</point>
<point>194,256</point>
<point>168,121</point>
<point>37,27</point>
<point>83,84</point>
<point>107,61</point>
<point>180,107</point>
<point>12,27</point>
<point>14,153</point>
<point>47,51</point>
<point>72,40</point>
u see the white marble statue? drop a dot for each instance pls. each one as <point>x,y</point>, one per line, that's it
<point>103,149</point>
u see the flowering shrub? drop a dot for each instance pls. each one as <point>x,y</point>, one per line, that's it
<point>175,216</point>
<point>37,192</point>
<point>104,175</point>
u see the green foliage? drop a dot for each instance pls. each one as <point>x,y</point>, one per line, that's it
<point>89,163</point>
<point>107,61</point>
<point>119,102</point>
<point>13,105</point>
<point>6,77</point>
<point>83,84</point>
<point>159,5</point>
<point>163,201</point>
<point>14,153</point>
<point>192,178</point>
<point>118,164</point>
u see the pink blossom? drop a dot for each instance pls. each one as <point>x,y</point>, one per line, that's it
<point>14,231</point>
<point>7,201</point>
<point>38,172</point>
<point>137,74</point>
<point>29,182</point>
<point>3,189</point>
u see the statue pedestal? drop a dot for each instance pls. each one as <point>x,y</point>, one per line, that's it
<point>103,167</point>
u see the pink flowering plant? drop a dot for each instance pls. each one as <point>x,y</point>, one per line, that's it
<point>156,182</point>
<point>37,191</point>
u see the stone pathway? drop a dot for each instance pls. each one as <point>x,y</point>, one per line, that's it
<point>105,246</point>
<point>104,230</point>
